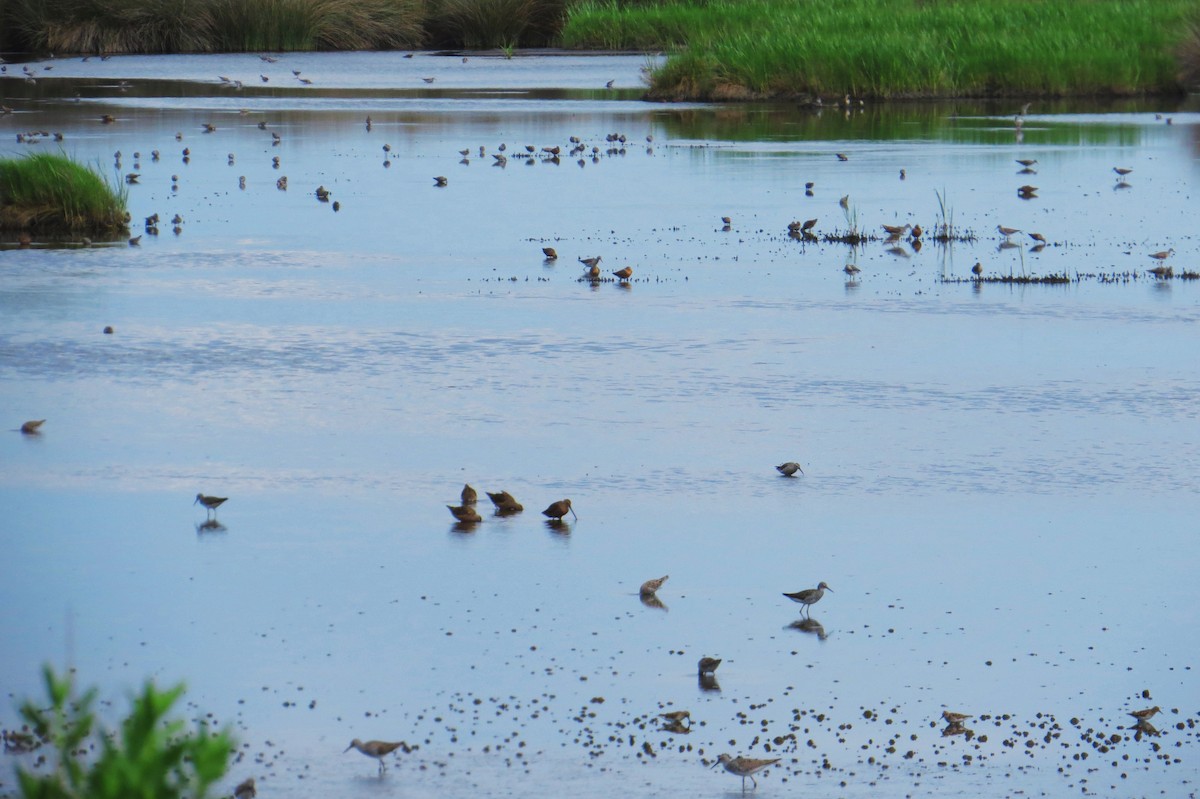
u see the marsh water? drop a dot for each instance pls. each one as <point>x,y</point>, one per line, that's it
<point>999,477</point>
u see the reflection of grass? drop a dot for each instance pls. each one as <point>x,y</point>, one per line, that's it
<point>53,193</point>
<point>895,48</point>
<point>488,24</point>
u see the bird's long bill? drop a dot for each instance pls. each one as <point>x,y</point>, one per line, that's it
<point>573,512</point>
<point>830,590</point>
<point>714,765</point>
<point>347,749</point>
<point>197,501</point>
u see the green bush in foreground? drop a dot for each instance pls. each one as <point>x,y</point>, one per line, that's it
<point>898,48</point>
<point>150,757</point>
<point>53,193</point>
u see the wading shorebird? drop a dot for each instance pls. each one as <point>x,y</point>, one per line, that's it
<point>590,262</point>
<point>650,586</point>
<point>708,665</point>
<point>808,225</point>
<point>559,509</point>
<point>375,749</point>
<point>809,596</point>
<point>210,503</point>
<point>465,514</point>
<point>1162,272</point>
<point>624,273</point>
<point>440,180</point>
<point>744,767</point>
<point>550,253</point>
<point>1027,162</point>
<point>1038,237</point>
<point>1027,191</point>
<point>1007,231</point>
<point>245,789</point>
<point>32,427</point>
<point>895,231</point>
<point>1164,255</point>
<point>791,467</point>
<point>505,503</point>
<point>469,495</point>
<point>977,269</point>
<point>1121,171</point>
<point>954,718</point>
<point>851,270</point>
<point>677,717</point>
<point>1144,715</point>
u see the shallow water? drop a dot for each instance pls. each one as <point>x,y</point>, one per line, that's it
<point>998,477</point>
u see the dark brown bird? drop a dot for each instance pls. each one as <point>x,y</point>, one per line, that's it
<point>842,157</point>
<point>1148,713</point>
<point>550,253</point>
<point>651,586</point>
<point>440,181</point>
<point>559,509</point>
<point>955,718</point>
<point>469,495</point>
<point>1038,237</point>
<point>505,503</point>
<point>624,274</point>
<point>708,665</point>
<point>791,467</point>
<point>375,749</point>
<point>1027,162</point>
<point>32,427</point>
<point>210,503</point>
<point>593,261</point>
<point>977,269</point>
<point>465,514</point>
<point>245,789</point>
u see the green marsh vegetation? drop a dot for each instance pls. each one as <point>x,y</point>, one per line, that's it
<point>203,26</point>
<point>54,194</point>
<point>752,49</point>
<point>151,756</point>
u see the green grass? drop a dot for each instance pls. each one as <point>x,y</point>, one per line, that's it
<point>199,26</point>
<point>900,48</point>
<point>54,194</point>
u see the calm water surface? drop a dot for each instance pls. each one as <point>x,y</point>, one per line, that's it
<point>999,478</point>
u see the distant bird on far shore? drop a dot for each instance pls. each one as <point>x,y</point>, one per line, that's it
<point>791,467</point>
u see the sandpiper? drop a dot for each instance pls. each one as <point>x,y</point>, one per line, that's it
<point>589,262</point>
<point>1162,272</point>
<point>809,596</point>
<point>1144,715</point>
<point>791,467</point>
<point>210,503</point>
<point>650,586</point>
<point>808,225</point>
<point>505,503</point>
<point>550,253</point>
<point>954,718</point>
<point>1007,231</point>
<point>677,717</point>
<point>592,273</point>
<point>1121,171</point>
<point>375,749</point>
<point>1027,162</point>
<point>1038,237</point>
<point>1027,191</point>
<point>851,270</point>
<point>465,514</point>
<point>245,789</point>
<point>744,766</point>
<point>977,269</point>
<point>559,509</point>
<point>624,273</point>
<point>895,230</point>
<point>1164,255</point>
<point>842,157</point>
<point>32,427</point>
<point>469,495</point>
<point>708,665</point>
<point>440,180</point>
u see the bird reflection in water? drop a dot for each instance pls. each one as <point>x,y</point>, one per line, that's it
<point>809,625</point>
<point>652,601</point>
<point>210,526</point>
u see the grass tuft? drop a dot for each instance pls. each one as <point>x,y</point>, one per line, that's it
<point>55,194</point>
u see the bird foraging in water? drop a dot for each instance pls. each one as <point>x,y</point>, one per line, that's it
<point>1027,162</point>
<point>245,789</point>
<point>559,509</point>
<point>1121,171</point>
<point>1164,255</point>
<point>1027,191</point>
<point>210,503</point>
<point>791,467</point>
<point>469,495</point>
<point>593,261</point>
<point>550,253</point>
<point>1038,237</point>
<point>375,749</point>
<point>440,180</point>
<point>851,270</point>
<point>744,767</point>
<point>650,586</point>
<point>895,231</point>
<point>32,427</point>
<point>624,273</point>
<point>977,269</point>
<point>1007,231</point>
<point>954,718</point>
<point>708,665</point>
<point>1148,713</point>
<point>677,717</point>
<point>809,596</point>
<point>505,503</point>
<point>465,514</point>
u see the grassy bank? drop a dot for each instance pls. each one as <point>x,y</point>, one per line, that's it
<point>901,48</point>
<point>200,26</point>
<point>53,194</point>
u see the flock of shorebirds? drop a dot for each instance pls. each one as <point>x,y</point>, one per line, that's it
<point>506,505</point>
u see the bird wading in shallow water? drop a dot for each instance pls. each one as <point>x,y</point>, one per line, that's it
<point>744,767</point>
<point>809,596</point>
<point>210,503</point>
<point>375,749</point>
<point>559,509</point>
<point>791,467</point>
